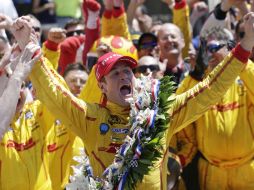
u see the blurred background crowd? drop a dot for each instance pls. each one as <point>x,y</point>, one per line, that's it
<point>185,39</point>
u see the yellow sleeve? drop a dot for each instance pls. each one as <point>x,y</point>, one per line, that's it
<point>181,18</point>
<point>91,93</point>
<point>189,106</point>
<point>106,27</point>
<point>185,140</point>
<point>51,53</point>
<point>247,75</point>
<point>187,144</point>
<point>60,101</point>
<point>116,26</point>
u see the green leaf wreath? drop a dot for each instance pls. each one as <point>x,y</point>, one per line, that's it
<point>143,146</point>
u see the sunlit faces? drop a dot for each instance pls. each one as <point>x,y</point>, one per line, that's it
<point>117,85</point>
<point>76,79</point>
<point>75,30</point>
<point>147,65</point>
<point>216,51</point>
<point>170,40</point>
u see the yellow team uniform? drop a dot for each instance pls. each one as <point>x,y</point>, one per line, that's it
<point>22,164</point>
<point>86,120</point>
<point>225,136</point>
<point>60,143</point>
<point>182,20</point>
<point>116,26</point>
<point>60,147</point>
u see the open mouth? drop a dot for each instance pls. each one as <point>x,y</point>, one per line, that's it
<point>171,46</point>
<point>125,90</point>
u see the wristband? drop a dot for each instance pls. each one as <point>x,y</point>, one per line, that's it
<point>218,13</point>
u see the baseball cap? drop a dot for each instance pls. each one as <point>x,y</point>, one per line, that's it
<point>106,62</point>
<point>147,34</point>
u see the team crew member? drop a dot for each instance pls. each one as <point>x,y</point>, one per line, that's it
<point>116,81</point>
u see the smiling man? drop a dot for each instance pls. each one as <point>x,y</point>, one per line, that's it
<point>171,43</point>
<point>103,127</point>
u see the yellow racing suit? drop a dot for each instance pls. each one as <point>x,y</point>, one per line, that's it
<point>103,128</point>
<point>60,143</point>
<point>116,26</point>
<point>22,164</point>
<point>182,20</point>
<point>225,136</point>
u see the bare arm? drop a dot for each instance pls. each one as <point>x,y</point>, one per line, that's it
<point>11,93</point>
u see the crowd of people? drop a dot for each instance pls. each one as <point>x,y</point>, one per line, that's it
<point>68,70</point>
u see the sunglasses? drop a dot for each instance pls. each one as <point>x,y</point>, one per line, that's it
<point>213,48</point>
<point>144,68</point>
<point>75,32</point>
<point>148,45</point>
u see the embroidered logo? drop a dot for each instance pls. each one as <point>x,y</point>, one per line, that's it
<point>120,131</point>
<point>29,114</point>
<point>114,119</point>
<point>104,128</point>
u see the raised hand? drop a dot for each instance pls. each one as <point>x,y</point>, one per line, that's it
<point>103,49</point>
<point>108,4</point>
<point>118,3</point>
<point>248,40</point>
<point>22,31</point>
<point>57,35</point>
<point>26,61</point>
<point>227,4</point>
<point>5,21</point>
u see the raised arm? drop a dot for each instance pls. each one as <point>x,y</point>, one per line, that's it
<point>218,15</point>
<point>193,103</point>
<point>57,98</point>
<point>11,94</point>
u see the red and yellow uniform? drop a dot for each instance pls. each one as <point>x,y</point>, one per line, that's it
<point>103,128</point>
<point>225,136</point>
<point>115,23</point>
<point>52,52</point>
<point>61,145</point>
<point>22,164</point>
<point>182,20</point>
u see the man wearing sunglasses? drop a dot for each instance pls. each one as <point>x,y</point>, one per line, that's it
<point>224,133</point>
<point>74,28</point>
<point>149,65</point>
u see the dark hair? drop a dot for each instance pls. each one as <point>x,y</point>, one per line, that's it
<point>72,22</point>
<point>74,67</point>
<point>145,35</point>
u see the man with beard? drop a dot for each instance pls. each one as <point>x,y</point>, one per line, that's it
<point>103,127</point>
